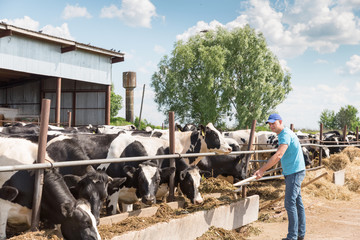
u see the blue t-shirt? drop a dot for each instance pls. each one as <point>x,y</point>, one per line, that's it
<point>293,158</point>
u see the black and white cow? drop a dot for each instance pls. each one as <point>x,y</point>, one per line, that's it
<point>142,177</point>
<point>332,138</point>
<point>204,139</point>
<point>188,127</point>
<point>58,206</point>
<point>225,165</point>
<point>109,129</point>
<point>84,181</point>
<point>242,137</point>
<point>187,178</point>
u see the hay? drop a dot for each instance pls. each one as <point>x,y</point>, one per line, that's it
<point>338,161</point>
<point>267,190</point>
<point>352,178</point>
<point>215,185</point>
<point>219,234</point>
<point>39,235</point>
<point>325,188</point>
<point>352,153</point>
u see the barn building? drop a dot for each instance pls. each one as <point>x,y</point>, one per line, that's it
<point>76,77</point>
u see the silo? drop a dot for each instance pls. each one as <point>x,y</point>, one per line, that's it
<point>129,83</point>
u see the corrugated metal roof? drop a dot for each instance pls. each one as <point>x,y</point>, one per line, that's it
<point>63,42</point>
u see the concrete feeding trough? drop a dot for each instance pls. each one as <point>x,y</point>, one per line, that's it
<point>193,225</point>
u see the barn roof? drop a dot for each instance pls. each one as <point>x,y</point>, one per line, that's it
<point>66,45</point>
<point>57,57</point>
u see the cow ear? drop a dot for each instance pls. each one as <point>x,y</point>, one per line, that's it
<point>183,174</point>
<point>202,129</point>
<point>129,171</point>
<point>116,183</point>
<point>8,193</point>
<point>90,169</point>
<point>167,171</point>
<point>204,173</point>
<point>71,180</point>
<point>67,209</point>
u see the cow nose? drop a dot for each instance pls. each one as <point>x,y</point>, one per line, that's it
<point>149,200</point>
<point>198,201</point>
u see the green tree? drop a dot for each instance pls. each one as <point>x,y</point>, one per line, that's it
<point>115,102</point>
<point>327,118</point>
<point>347,116</point>
<point>218,75</point>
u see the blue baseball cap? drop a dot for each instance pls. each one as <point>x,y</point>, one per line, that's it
<point>273,117</point>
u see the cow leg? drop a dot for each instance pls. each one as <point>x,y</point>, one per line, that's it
<point>112,203</point>
<point>4,211</point>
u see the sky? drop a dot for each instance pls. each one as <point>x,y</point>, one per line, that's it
<point>316,41</point>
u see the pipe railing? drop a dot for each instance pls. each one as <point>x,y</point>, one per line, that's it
<point>129,159</point>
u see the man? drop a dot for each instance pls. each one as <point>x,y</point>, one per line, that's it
<point>292,163</point>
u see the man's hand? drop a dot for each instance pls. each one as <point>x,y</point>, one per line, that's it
<point>259,173</point>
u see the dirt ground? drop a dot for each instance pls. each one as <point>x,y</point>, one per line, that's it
<point>325,220</point>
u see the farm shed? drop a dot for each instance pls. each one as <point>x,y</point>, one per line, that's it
<point>76,77</point>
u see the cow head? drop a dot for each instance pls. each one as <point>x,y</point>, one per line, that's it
<point>189,184</point>
<point>213,139</point>
<point>79,223</point>
<point>93,187</point>
<point>149,178</point>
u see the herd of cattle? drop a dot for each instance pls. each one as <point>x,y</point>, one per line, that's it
<point>73,197</point>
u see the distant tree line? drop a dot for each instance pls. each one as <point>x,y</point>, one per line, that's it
<point>346,116</point>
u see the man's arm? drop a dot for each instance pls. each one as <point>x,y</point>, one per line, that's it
<point>272,161</point>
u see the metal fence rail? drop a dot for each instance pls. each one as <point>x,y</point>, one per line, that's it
<point>50,164</point>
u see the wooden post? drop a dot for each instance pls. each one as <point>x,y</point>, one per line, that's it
<point>107,105</point>
<point>357,133</point>
<point>69,118</point>
<point>320,142</point>
<point>39,174</point>
<point>58,102</point>
<point>344,133</point>
<point>73,112</point>
<point>172,151</point>
<point>251,141</point>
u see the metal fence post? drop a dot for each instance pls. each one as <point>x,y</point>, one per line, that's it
<point>39,174</point>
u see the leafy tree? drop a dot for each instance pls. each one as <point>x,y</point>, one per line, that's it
<point>347,116</point>
<point>115,102</point>
<point>218,75</point>
<point>327,118</point>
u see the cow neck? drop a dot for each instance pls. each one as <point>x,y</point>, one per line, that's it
<point>55,192</point>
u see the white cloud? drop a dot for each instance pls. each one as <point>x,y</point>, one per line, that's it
<point>62,31</point>
<point>321,61</point>
<point>304,104</point>
<point>353,65</point>
<point>159,49</point>
<point>200,26</point>
<point>75,11</point>
<point>320,25</point>
<point>134,13</point>
<point>357,87</point>
<point>25,22</point>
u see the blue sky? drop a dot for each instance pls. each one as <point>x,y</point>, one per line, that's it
<point>318,42</point>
